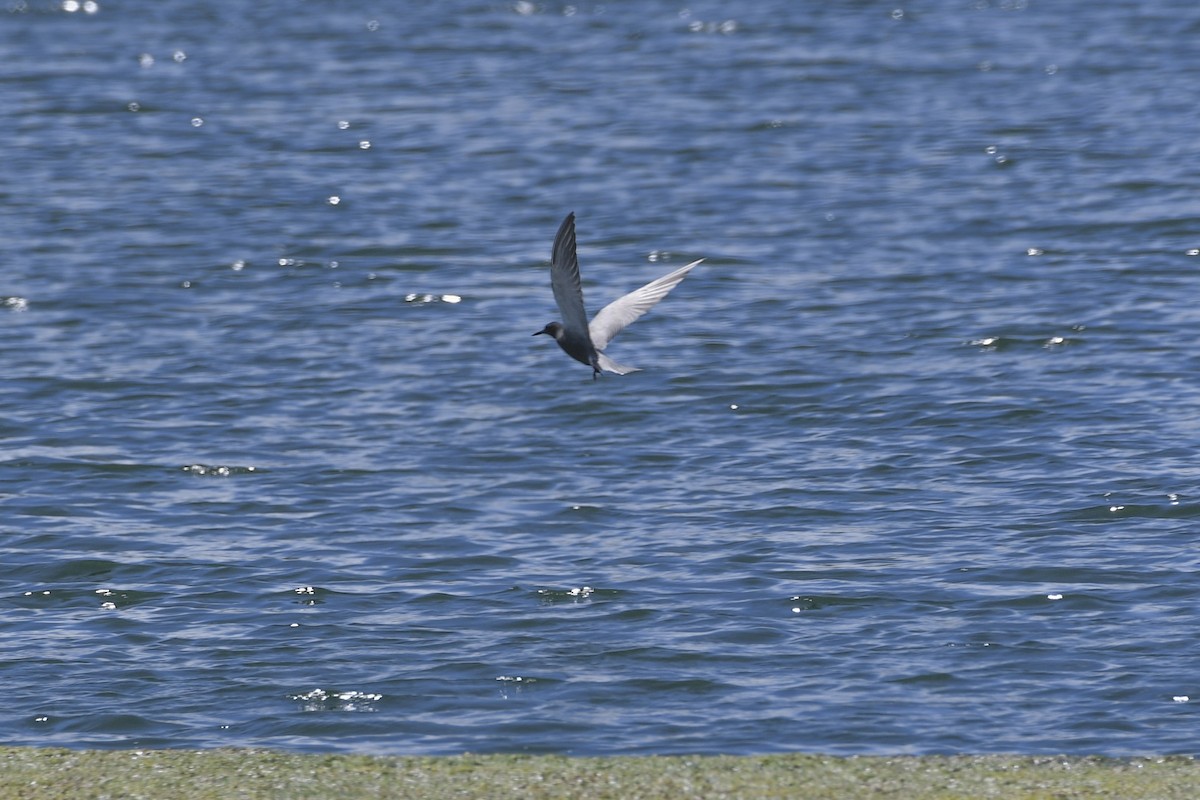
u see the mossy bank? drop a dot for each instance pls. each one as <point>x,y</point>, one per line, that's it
<point>48,774</point>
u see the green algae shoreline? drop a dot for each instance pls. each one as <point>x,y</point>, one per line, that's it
<point>52,773</point>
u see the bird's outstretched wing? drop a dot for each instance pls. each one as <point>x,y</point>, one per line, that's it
<point>564,280</point>
<point>615,316</point>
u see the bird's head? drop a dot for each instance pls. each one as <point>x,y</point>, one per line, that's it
<point>553,329</point>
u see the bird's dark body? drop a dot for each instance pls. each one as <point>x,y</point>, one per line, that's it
<point>576,347</point>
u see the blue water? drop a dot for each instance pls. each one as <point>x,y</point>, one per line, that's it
<point>912,466</point>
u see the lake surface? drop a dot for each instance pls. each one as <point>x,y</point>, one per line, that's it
<point>912,466</point>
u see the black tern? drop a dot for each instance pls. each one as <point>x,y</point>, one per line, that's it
<point>584,341</point>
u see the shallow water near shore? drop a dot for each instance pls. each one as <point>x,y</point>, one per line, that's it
<point>911,466</point>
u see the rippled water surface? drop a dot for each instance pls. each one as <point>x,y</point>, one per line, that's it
<point>911,466</point>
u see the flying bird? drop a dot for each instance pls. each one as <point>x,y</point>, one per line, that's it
<point>583,341</point>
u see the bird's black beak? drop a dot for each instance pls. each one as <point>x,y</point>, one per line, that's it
<point>543,330</point>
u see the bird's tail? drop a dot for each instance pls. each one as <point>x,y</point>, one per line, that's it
<point>609,365</point>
